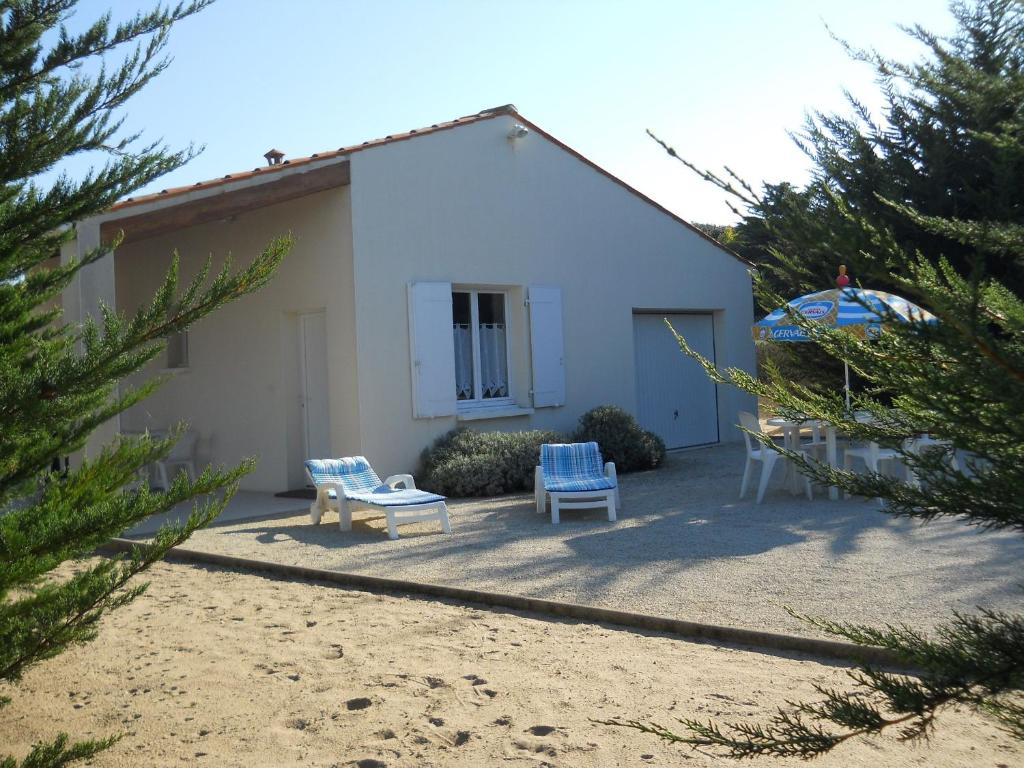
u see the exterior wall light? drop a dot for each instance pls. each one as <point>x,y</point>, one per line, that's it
<point>518,131</point>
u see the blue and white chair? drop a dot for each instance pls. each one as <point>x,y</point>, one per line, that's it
<point>571,475</point>
<point>348,484</point>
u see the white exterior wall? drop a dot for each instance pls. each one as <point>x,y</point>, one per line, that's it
<point>92,287</point>
<point>241,391</point>
<point>468,206</point>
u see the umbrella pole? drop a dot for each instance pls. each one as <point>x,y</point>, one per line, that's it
<point>846,367</point>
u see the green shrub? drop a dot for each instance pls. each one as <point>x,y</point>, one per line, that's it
<point>468,463</point>
<point>621,439</point>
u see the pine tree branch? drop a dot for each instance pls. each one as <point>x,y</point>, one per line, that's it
<point>58,383</point>
<point>59,753</point>
<point>39,631</point>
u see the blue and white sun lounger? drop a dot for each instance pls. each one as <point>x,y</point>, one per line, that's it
<point>347,484</point>
<point>571,475</point>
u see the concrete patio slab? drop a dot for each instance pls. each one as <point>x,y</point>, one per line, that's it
<point>245,506</point>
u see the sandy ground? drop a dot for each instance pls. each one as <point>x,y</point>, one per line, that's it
<point>223,669</point>
<point>684,546</point>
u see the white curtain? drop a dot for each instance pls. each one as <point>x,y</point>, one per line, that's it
<point>493,360</point>
<point>463,361</point>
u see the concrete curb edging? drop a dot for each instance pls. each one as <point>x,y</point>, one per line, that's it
<point>755,639</point>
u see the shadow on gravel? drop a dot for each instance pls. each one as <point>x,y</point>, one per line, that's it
<point>682,538</point>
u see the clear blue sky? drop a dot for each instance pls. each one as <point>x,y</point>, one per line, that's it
<point>722,81</point>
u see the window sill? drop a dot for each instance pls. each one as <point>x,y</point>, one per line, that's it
<point>504,412</point>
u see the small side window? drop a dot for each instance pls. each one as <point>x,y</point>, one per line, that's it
<point>177,350</point>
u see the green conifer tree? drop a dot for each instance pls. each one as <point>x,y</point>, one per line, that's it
<point>59,381</point>
<point>932,150</point>
<point>930,201</point>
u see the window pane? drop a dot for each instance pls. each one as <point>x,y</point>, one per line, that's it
<point>493,350</point>
<point>492,308</point>
<point>461,326</point>
<point>177,350</point>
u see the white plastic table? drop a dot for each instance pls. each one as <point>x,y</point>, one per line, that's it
<point>791,439</point>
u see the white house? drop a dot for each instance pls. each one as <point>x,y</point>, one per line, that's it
<point>477,272</point>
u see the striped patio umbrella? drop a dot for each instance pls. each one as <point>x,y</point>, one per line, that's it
<point>858,311</point>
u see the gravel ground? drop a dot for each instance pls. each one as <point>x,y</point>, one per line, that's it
<point>684,546</point>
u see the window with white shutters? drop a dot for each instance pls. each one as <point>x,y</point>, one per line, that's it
<point>460,348</point>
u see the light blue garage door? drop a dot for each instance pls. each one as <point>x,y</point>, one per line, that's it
<point>675,398</point>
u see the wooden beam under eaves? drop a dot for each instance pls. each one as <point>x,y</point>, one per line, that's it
<point>225,204</point>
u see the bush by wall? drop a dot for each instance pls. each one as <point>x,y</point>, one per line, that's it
<point>621,439</point>
<point>468,463</point>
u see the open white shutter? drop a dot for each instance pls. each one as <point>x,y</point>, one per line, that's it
<point>546,345</point>
<point>432,350</point>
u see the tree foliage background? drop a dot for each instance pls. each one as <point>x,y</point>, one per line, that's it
<point>926,200</point>
<point>62,95</point>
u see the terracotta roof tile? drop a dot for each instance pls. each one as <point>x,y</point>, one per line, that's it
<point>341,151</point>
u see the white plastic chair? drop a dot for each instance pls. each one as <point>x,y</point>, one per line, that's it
<point>927,443</point>
<point>758,452</point>
<point>182,457</point>
<point>872,454</point>
<point>349,483</point>
<point>817,442</point>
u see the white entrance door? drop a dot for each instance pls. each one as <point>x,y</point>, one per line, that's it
<point>313,372</point>
<point>675,398</point>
